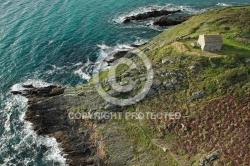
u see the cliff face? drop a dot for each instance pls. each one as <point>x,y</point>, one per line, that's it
<point>208,89</point>
<point>49,115</point>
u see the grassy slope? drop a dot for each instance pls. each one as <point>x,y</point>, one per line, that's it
<point>231,22</point>
<point>225,79</point>
<point>224,76</point>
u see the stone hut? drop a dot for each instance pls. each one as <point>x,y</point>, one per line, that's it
<point>212,43</point>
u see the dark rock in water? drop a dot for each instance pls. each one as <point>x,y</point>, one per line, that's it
<point>166,21</point>
<point>28,86</point>
<point>116,56</point>
<point>40,92</point>
<point>138,45</point>
<point>16,93</point>
<point>150,14</point>
<point>120,54</point>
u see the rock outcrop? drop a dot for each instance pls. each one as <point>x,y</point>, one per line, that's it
<point>143,16</point>
<point>116,56</point>
<point>48,115</point>
<point>167,21</point>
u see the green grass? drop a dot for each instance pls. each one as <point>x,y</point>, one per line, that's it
<point>232,47</point>
<point>216,21</point>
<point>228,76</point>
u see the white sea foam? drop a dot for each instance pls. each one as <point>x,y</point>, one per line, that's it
<point>35,83</point>
<point>108,51</point>
<point>13,113</point>
<point>140,41</point>
<point>223,4</point>
<point>78,64</point>
<point>84,70</point>
<point>56,69</point>
<point>82,74</point>
<point>54,153</point>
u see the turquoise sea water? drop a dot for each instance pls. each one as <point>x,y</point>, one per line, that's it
<point>56,42</point>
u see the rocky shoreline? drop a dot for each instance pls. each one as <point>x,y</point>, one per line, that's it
<point>47,112</point>
<point>49,107</point>
<point>146,15</point>
<point>161,17</point>
<point>202,86</point>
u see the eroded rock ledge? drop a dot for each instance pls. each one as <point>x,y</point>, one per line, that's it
<point>47,113</point>
<point>146,15</point>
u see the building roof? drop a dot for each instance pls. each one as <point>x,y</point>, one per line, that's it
<point>213,38</point>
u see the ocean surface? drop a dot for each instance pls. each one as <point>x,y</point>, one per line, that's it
<point>57,42</point>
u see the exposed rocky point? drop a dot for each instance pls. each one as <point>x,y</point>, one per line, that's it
<point>143,16</point>
<point>47,113</point>
<point>167,21</point>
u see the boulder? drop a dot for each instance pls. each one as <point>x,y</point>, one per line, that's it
<point>151,93</point>
<point>248,60</point>
<point>168,85</point>
<point>167,61</point>
<point>110,107</point>
<point>156,84</point>
<point>192,68</point>
<point>213,65</point>
<point>198,95</point>
<point>208,160</point>
<point>174,81</point>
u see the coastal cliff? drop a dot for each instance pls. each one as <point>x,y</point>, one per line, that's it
<point>211,90</point>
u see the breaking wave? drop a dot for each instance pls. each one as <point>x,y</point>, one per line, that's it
<point>19,144</point>
<point>223,4</point>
